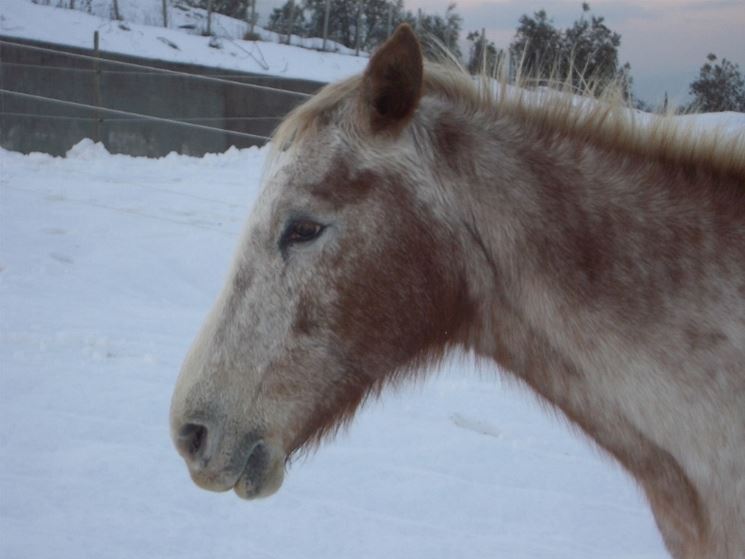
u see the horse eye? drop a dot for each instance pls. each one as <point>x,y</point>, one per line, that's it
<point>301,231</point>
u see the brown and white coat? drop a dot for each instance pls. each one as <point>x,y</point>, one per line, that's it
<point>407,212</point>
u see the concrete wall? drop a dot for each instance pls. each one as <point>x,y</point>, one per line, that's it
<point>31,125</point>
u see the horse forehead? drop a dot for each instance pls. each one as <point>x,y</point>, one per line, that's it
<point>332,176</point>
<point>285,176</point>
<point>310,157</point>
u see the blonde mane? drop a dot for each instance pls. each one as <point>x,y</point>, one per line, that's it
<point>607,122</point>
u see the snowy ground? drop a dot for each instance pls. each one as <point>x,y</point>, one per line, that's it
<point>107,267</point>
<point>23,19</point>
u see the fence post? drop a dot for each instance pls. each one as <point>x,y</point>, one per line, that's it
<point>357,34</point>
<point>209,17</point>
<point>165,14</point>
<point>96,89</point>
<point>253,15</point>
<point>326,23</point>
<point>450,36</point>
<point>116,10</point>
<point>291,22</point>
<point>483,51</point>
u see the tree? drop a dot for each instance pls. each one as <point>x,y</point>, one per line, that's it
<point>585,55</point>
<point>719,87</point>
<point>444,30</point>
<point>374,27</point>
<point>281,18</point>
<point>343,18</point>
<point>590,53</point>
<point>483,56</point>
<point>625,83</point>
<point>232,8</point>
<point>537,46</point>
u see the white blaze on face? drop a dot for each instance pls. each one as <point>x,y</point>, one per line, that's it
<point>275,359</point>
<point>246,346</point>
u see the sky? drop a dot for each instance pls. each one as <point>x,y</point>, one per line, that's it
<point>666,41</point>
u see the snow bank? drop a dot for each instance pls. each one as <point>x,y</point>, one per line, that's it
<point>23,19</point>
<point>108,264</point>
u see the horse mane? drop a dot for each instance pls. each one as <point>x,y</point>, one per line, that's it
<point>606,122</point>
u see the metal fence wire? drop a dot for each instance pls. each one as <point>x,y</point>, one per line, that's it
<point>132,115</point>
<point>248,117</point>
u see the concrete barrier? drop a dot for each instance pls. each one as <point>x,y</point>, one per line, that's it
<point>29,124</point>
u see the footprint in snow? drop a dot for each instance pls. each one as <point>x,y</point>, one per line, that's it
<point>475,425</point>
<point>169,43</point>
<point>61,258</point>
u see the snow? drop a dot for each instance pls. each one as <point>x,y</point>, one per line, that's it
<point>727,123</point>
<point>23,19</point>
<point>108,264</point>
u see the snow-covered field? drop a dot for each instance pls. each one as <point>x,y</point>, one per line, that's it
<point>23,19</point>
<point>108,264</point>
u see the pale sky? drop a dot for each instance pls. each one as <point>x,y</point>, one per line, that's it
<point>666,41</point>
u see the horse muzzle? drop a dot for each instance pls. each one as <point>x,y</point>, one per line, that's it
<point>263,474</point>
<point>248,464</point>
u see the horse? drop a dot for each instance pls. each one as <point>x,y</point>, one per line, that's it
<point>409,212</point>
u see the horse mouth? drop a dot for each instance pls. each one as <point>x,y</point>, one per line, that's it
<point>263,474</point>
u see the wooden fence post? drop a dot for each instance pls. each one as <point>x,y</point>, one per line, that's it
<point>96,89</point>
<point>253,15</point>
<point>209,17</point>
<point>291,22</point>
<point>357,33</point>
<point>326,23</point>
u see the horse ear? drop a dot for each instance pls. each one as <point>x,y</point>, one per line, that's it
<point>392,83</point>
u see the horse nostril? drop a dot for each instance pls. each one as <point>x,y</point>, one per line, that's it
<point>192,440</point>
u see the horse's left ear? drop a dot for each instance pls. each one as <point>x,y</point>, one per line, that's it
<point>392,83</point>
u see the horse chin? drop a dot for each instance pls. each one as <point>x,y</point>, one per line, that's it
<point>263,474</point>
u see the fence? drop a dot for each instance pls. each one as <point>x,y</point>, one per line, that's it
<point>52,96</point>
<point>251,19</point>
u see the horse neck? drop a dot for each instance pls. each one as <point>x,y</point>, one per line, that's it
<point>586,264</point>
<point>595,250</point>
<point>535,234</point>
<point>579,240</point>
